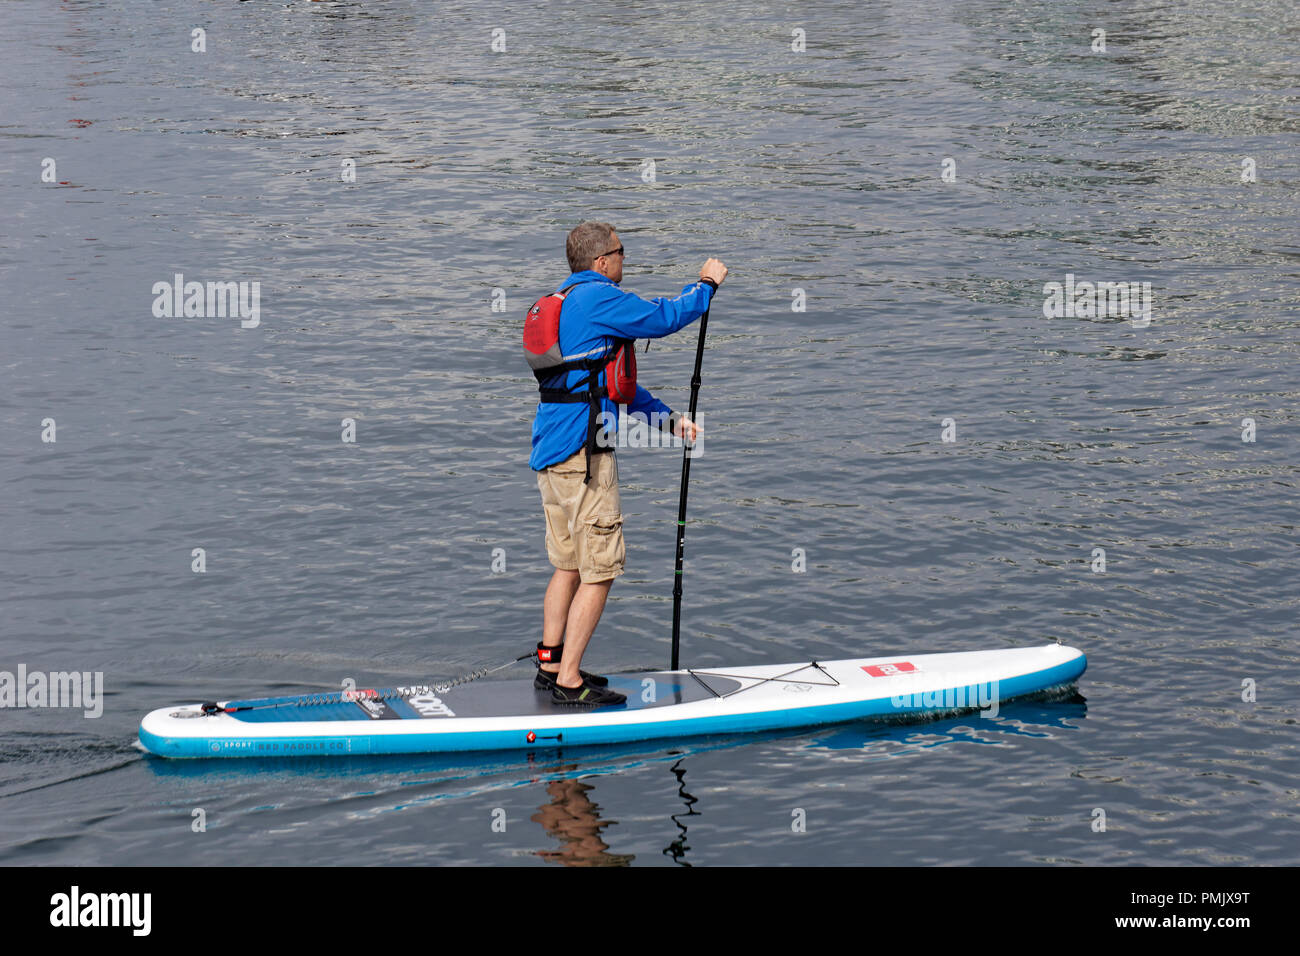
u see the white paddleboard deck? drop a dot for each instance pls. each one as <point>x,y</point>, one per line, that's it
<point>500,715</point>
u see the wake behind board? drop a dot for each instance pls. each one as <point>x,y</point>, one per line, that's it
<point>502,715</point>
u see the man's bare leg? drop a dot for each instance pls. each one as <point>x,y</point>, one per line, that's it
<point>584,615</point>
<point>555,611</point>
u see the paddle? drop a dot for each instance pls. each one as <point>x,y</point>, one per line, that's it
<point>681,508</point>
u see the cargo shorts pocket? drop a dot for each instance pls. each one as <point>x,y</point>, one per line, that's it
<point>606,554</point>
<point>575,464</point>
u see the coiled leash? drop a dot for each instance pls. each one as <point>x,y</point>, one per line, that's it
<point>397,693</point>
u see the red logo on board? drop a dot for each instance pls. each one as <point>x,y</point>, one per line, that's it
<point>889,670</point>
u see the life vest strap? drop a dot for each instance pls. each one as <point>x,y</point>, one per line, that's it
<point>560,396</point>
<point>589,390</point>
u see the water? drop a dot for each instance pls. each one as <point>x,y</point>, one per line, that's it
<point>818,171</point>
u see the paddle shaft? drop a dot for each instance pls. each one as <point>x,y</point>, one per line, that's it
<point>681,507</point>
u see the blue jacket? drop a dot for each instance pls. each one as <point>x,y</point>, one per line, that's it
<point>595,313</point>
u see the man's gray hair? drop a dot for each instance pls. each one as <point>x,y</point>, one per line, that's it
<point>586,243</point>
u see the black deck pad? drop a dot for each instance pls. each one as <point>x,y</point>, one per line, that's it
<point>506,698</point>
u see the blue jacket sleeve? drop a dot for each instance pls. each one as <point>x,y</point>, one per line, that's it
<point>647,404</point>
<point>627,316</point>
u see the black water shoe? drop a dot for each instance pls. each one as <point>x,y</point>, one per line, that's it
<point>586,695</point>
<point>546,680</point>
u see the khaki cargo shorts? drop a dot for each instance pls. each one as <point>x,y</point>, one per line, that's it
<point>584,522</point>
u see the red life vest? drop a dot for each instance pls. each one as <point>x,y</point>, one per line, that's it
<point>551,366</point>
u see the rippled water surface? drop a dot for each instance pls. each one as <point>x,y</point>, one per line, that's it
<point>816,175</point>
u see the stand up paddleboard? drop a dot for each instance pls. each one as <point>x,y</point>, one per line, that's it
<point>511,715</point>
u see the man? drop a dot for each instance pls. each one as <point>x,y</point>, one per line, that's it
<point>576,470</point>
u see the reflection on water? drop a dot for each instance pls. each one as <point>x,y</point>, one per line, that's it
<point>573,820</point>
<point>678,848</point>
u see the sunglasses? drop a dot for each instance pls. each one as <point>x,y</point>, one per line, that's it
<point>612,252</point>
